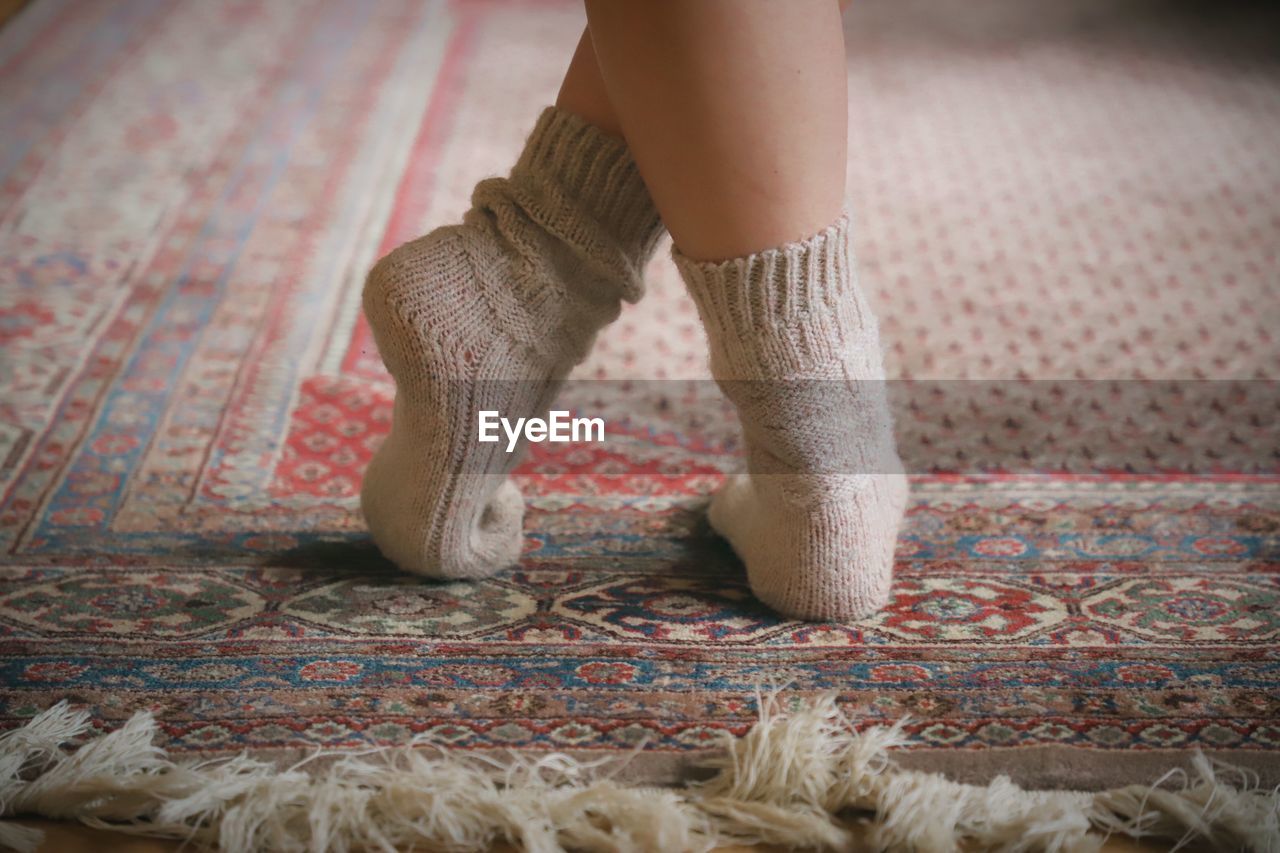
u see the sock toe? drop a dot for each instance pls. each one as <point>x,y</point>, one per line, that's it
<point>474,548</point>
<point>497,537</point>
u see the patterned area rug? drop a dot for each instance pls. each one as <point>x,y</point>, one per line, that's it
<point>189,196</point>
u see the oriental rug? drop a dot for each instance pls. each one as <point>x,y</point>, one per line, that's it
<point>1067,218</point>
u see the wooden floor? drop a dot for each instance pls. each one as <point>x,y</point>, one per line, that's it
<point>9,8</point>
<point>70,838</point>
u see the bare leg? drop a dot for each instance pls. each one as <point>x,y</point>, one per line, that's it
<point>735,111</point>
<point>583,93</point>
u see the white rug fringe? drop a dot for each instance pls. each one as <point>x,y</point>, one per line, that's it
<point>781,783</point>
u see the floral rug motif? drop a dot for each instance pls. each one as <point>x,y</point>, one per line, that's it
<point>190,193</point>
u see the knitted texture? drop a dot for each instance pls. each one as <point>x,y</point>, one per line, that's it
<point>795,346</point>
<point>492,314</point>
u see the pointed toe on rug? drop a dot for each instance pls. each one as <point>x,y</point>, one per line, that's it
<point>467,544</point>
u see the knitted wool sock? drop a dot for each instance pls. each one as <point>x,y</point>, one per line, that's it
<point>492,315</point>
<point>794,345</point>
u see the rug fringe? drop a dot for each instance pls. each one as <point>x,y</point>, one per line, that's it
<point>781,783</point>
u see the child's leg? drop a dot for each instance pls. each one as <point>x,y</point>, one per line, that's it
<point>582,91</point>
<point>735,111</point>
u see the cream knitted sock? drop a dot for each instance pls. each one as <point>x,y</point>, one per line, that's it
<point>795,346</point>
<point>492,315</point>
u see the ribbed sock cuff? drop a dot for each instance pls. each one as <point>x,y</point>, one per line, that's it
<point>788,307</point>
<point>575,164</point>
